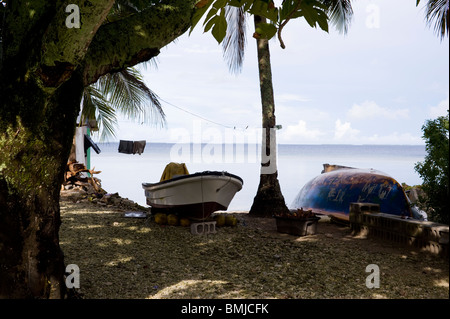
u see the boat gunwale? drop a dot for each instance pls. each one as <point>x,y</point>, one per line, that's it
<point>189,176</point>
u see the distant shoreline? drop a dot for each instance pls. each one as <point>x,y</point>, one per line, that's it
<point>279,144</point>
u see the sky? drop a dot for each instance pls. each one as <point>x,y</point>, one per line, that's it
<point>377,84</point>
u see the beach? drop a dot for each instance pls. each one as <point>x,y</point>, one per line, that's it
<point>135,258</point>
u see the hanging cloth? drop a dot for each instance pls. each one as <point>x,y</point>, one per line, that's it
<point>126,147</point>
<point>138,147</point>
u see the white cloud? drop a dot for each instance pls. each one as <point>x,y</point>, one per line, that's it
<point>299,133</point>
<point>344,131</point>
<point>370,109</point>
<point>440,109</point>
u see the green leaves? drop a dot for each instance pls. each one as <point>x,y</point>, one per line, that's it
<point>266,30</point>
<point>434,170</point>
<point>220,26</point>
<point>313,11</point>
<point>265,9</point>
<point>213,20</point>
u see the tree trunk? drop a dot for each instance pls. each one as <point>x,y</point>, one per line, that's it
<point>268,200</point>
<point>35,141</point>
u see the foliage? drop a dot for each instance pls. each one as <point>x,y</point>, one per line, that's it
<point>437,14</point>
<point>123,92</point>
<point>339,13</point>
<point>434,170</point>
<point>313,11</point>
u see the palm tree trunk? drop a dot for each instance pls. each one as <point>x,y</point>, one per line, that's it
<point>268,200</point>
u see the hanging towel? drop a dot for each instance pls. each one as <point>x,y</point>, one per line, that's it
<point>126,147</point>
<point>138,147</point>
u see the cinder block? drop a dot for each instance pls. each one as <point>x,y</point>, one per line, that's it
<point>203,228</point>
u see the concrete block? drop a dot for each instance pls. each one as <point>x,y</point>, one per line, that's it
<point>203,228</point>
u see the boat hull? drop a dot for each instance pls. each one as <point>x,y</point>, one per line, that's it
<point>332,192</point>
<point>195,196</point>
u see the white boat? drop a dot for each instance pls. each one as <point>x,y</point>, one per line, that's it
<point>195,196</point>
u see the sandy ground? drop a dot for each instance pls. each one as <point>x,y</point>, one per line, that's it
<point>122,257</point>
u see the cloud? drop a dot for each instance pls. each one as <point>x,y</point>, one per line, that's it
<point>344,131</point>
<point>440,109</point>
<point>299,133</point>
<point>370,109</point>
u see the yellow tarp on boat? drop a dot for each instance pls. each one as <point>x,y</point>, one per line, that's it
<point>173,169</point>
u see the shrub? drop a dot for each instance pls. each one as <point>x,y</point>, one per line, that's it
<point>434,170</point>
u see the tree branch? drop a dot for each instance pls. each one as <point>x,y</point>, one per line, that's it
<point>285,22</point>
<point>63,48</point>
<point>136,38</point>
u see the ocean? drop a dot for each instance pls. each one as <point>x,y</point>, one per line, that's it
<point>297,164</point>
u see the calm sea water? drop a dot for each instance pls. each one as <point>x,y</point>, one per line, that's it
<point>297,164</point>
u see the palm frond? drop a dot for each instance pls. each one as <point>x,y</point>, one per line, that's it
<point>437,16</point>
<point>340,13</point>
<point>152,63</point>
<point>129,95</point>
<point>123,92</point>
<point>235,39</point>
<point>96,106</point>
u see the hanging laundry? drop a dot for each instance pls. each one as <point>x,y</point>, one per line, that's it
<point>126,147</point>
<point>138,147</point>
<point>132,147</point>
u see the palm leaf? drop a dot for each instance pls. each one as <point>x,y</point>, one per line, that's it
<point>96,106</point>
<point>235,39</point>
<point>340,13</point>
<point>437,14</point>
<point>130,96</point>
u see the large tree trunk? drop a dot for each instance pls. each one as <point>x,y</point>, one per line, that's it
<point>44,67</point>
<point>268,200</point>
<point>37,130</point>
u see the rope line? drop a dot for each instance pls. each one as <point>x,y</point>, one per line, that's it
<point>199,116</point>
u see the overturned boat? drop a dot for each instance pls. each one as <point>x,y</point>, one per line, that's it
<point>331,193</point>
<point>194,196</point>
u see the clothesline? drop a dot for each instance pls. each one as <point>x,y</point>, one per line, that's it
<point>201,117</point>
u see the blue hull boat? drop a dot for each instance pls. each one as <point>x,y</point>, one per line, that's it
<point>331,193</point>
